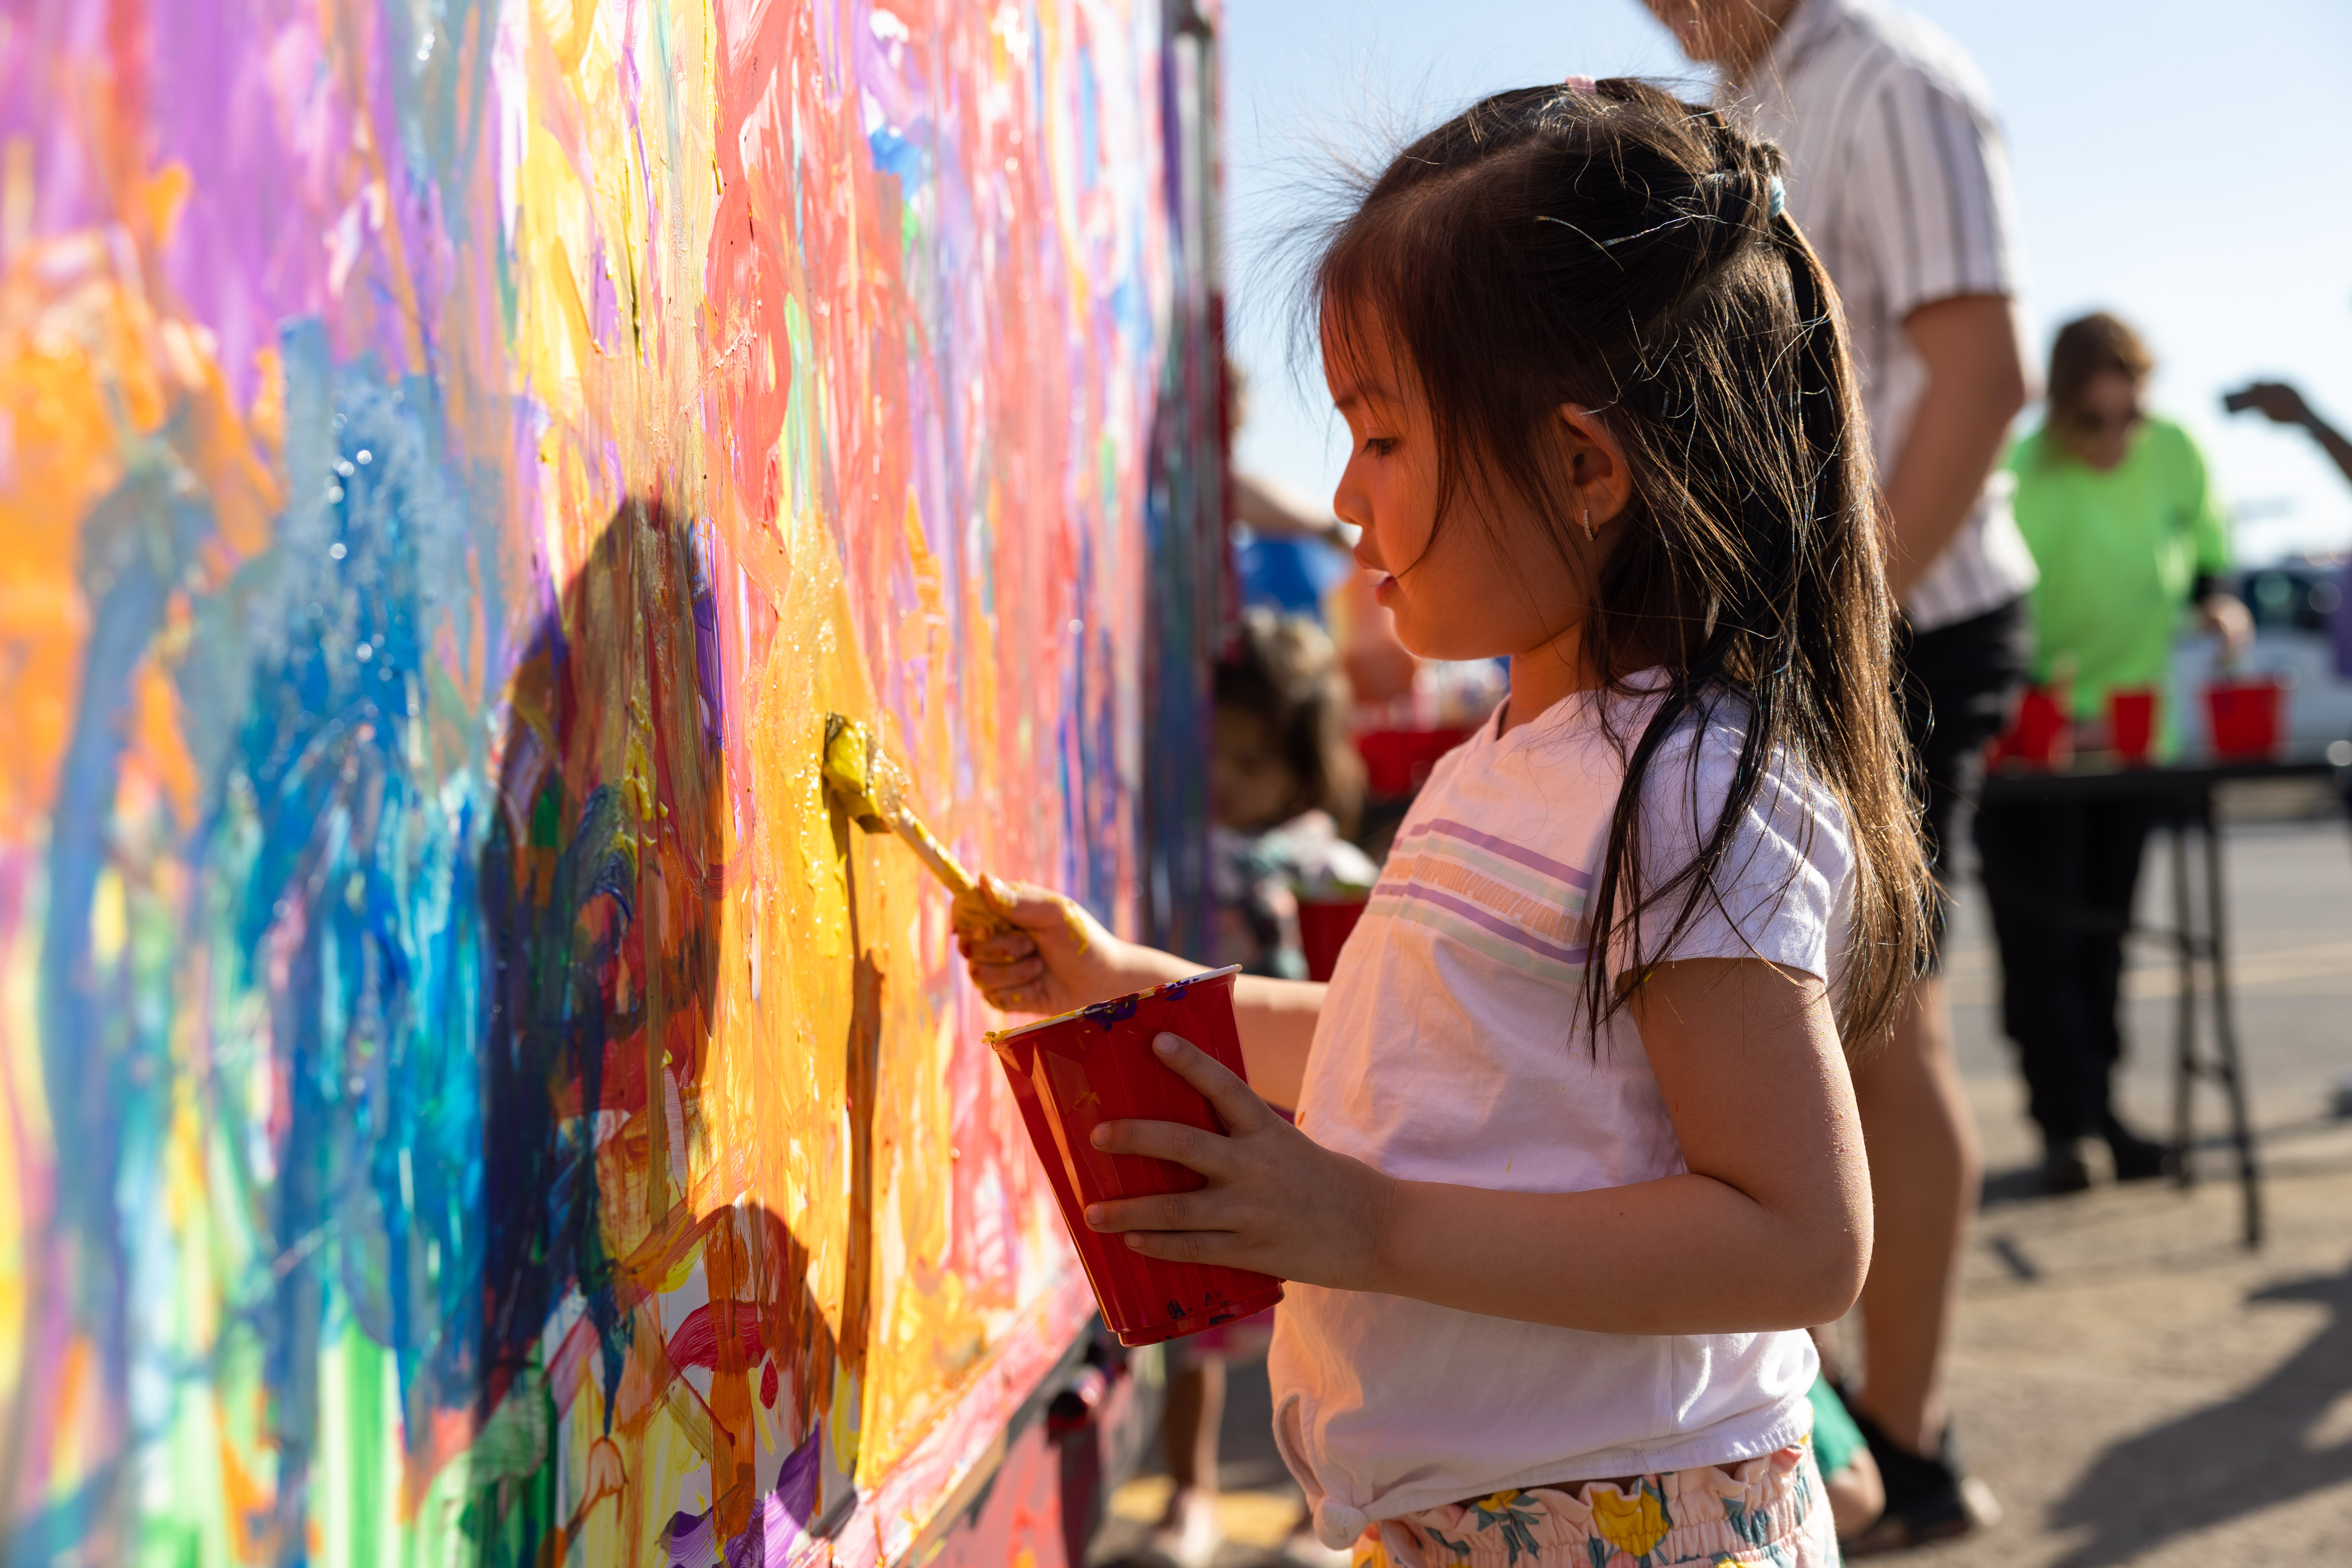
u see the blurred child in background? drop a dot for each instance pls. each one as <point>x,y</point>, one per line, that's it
<point>1284,784</point>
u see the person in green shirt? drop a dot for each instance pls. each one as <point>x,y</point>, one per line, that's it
<point>2117,508</point>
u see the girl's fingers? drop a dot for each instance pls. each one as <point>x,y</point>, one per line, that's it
<point>1242,1111</point>
<point>1007,976</point>
<point>1190,1147</point>
<point>1163,1211</point>
<point>1191,1246</point>
<point>1008,947</point>
<point>1026,908</point>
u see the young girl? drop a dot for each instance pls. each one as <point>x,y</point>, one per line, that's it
<point>1576,1160</point>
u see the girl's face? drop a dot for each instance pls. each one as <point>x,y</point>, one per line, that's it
<point>1476,587</point>
<point>2100,427</point>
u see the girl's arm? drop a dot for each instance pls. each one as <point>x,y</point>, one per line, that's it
<point>1769,1228</point>
<point>1056,957</point>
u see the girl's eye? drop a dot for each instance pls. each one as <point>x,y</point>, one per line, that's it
<point>1381,445</point>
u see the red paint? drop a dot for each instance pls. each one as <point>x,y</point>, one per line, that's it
<point>695,1343</point>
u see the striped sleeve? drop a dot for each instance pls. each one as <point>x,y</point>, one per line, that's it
<point>1933,168</point>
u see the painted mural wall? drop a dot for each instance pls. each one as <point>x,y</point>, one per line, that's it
<point>463,1096</point>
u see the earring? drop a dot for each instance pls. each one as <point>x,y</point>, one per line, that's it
<point>1591,534</point>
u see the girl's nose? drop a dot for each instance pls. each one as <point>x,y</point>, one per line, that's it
<point>1347,506</point>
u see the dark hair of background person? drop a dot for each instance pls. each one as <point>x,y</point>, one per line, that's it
<point>1284,670</point>
<point>1616,248</point>
<point>2087,349</point>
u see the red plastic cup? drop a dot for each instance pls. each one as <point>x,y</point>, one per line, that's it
<point>1397,763</point>
<point>2246,716</point>
<point>2040,736</point>
<point>1323,928</point>
<point>1071,1073</point>
<point>2131,722</point>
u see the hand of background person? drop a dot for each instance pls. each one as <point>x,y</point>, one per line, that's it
<point>1276,1201</point>
<point>2284,404</point>
<point>2275,400</point>
<point>2224,614</point>
<point>1055,956</point>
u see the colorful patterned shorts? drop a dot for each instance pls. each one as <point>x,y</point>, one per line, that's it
<point>1768,1513</point>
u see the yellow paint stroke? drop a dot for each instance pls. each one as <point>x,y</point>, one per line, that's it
<point>567,295</point>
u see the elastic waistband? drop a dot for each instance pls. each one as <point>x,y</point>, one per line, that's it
<point>1698,1515</point>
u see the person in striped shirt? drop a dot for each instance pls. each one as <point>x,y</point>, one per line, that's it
<point>1898,174</point>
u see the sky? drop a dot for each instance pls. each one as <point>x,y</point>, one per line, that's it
<point>2186,165</point>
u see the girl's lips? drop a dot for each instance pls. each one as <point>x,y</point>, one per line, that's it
<point>1383,587</point>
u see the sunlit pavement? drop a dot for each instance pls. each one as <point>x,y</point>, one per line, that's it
<point>2134,1384</point>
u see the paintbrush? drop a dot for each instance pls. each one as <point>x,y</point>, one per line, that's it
<point>871,791</point>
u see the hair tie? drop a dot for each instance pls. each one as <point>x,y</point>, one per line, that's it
<point>1582,86</point>
<point>1776,199</point>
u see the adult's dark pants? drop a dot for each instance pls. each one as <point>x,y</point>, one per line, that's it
<point>2060,878</point>
<point>1955,686</point>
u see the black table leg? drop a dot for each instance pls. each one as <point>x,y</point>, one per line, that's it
<point>2225,1031</point>
<point>2184,947</point>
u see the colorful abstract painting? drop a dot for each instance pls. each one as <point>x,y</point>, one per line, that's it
<point>463,1095</point>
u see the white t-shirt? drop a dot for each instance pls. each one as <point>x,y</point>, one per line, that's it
<point>1453,1048</point>
<point>1898,177</point>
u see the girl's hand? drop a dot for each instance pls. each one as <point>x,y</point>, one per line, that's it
<point>1055,956</point>
<point>1276,1201</point>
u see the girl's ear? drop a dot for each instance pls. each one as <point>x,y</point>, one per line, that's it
<point>1596,464</point>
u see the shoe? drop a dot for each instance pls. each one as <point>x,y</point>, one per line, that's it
<point>1304,1550</point>
<point>1191,1533</point>
<point>2063,1169</point>
<point>1928,1497</point>
<point>2138,1159</point>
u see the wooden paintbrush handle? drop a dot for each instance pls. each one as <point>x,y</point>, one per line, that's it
<point>974,911</point>
<point>933,854</point>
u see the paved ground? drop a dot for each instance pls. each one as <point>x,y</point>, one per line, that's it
<point>2135,1386</point>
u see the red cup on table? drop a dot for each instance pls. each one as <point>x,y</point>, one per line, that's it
<point>1072,1073</point>
<point>2131,723</point>
<point>2247,716</point>
<point>2041,736</point>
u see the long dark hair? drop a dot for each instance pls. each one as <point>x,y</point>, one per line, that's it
<point>1609,245</point>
